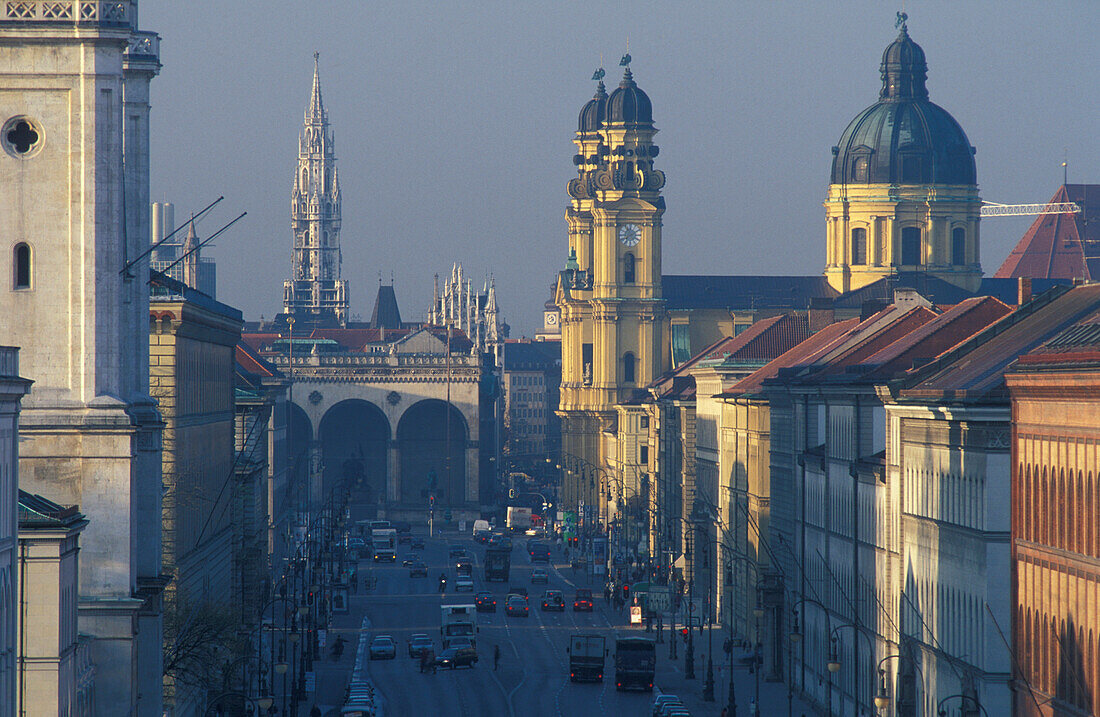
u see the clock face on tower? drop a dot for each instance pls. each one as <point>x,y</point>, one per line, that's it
<point>630,234</point>
<point>551,318</point>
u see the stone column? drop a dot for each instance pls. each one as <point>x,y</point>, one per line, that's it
<point>393,473</point>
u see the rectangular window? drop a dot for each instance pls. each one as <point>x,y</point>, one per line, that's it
<point>958,246</point>
<point>586,363</point>
<point>911,246</point>
<point>643,455</point>
<point>859,246</point>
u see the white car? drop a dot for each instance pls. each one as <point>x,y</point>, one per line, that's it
<point>383,648</point>
<point>464,585</point>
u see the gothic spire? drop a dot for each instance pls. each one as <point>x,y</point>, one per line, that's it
<point>316,111</point>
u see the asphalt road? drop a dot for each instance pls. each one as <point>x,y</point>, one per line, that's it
<point>532,678</point>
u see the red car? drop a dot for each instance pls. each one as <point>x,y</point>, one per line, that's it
<point>582,600</point>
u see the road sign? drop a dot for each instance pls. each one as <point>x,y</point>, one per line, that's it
<point>311,682</point>
<point>659,598</point>
<point>635,614</point>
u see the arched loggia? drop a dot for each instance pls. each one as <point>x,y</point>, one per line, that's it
<point>353,437</point>
<point>431,438</point>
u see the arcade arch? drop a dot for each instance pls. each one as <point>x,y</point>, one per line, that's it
<point>354,436</point>
<point>432,439</point>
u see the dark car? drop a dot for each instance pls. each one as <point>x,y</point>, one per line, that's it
<point>417,544</point>
<point>456,551</point>
<point>517,591</point>
<point>539,551</point>
<point>582,600</point>
<point>517,606</point>
<point>457,657</point>
<point>539,575</point>
<point>404,539</point>
<point>418,570</point>
<point>553,600</point>
<point>485,602</point>
<point>499,540</point>
<point>410,560</point>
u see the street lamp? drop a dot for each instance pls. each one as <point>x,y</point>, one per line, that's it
<point>794,636</point>
<point>964,698</point>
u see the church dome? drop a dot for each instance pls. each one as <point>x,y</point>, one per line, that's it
<point>904,138</point>
<point>594,111</point>
<point>629,104</point>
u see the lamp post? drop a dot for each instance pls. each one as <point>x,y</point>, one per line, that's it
<point>708,684</point>
<point>834,667</point>
<point>834,659</point>
<point>882,697</point>
<point>964,699</point>
<point>731,705</point>
<point>757,658</point>
<point>794,637</point>
<point>689,658</point>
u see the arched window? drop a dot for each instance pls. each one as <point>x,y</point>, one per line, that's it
<point>22,262</point>
<point>859,246</point>
<point>910,246</point>
<point>958,246</point>
<point>628,269</point>
<point>628,368</point>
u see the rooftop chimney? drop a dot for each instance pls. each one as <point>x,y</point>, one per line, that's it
<point>1023,290</point>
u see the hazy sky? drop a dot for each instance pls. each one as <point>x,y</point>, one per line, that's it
<point>454,125</point>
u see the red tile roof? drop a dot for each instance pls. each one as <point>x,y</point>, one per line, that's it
<point>976,368</point>
<point>804,354</point>
<point>251,362</point>
<point>1061,246</point>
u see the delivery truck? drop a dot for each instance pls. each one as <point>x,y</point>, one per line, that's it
<point>586,657</point>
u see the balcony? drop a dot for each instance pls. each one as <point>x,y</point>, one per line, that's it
<point>100,13</point>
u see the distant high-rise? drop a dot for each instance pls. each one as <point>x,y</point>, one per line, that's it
<point>167,257</point>
<point>315,292</point>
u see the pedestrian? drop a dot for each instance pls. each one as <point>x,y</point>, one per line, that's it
<point>496,657</point>
<point>607,594</point>
<point>724,712</point>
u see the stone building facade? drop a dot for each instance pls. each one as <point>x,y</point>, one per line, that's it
<point>12,390</point>
<point>1055,391</point>
<point>192,347</point>
<point>74,90</point>
<point>54,676</point>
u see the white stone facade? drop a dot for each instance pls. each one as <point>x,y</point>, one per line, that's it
<point>74,190</point>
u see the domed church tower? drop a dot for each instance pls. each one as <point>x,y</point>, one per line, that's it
<point>612,314</point>
<point>904,193</point>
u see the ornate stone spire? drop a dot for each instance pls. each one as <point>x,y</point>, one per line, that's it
<point>316,290</point>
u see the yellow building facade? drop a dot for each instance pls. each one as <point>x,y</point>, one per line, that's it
<point>612,313</point>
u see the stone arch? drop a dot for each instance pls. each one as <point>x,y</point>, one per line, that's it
<point>432,437</point>
<point>299,438</point>
<point>354,437</point>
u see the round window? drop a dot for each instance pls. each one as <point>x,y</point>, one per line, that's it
<point>21,137</point>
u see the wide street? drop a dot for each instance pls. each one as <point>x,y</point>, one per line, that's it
<point>532,678</point>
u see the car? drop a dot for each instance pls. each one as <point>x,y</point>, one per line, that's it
<point>356,544</point>
<point>402,526</point>
<point>456,551</point>
<point>417,544</point>
<point>485,602</point>
<point>661,700</point>
<point>464,584</point>
<point>553,600</point>
<point>514,590</point>
<point>517,606</point>
<point>382,647</point>
<point>410,559</point>
<point>499,540</point>
<point>582,600</point>
<point>464,566</point>
<point>539,575</point>
<point>404,538</point>
<point>419,644</point>
<point>454,658</point>
<point>418,570</point>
